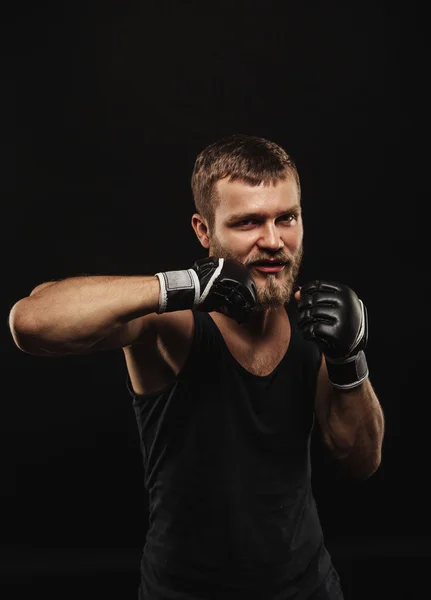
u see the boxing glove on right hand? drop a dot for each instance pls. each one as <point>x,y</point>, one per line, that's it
<point>213,283</point>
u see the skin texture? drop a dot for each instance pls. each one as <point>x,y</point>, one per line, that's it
<point>268,226</point>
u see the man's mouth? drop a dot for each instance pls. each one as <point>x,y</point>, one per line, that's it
<point>269,266</point>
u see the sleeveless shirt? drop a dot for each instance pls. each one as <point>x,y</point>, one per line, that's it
<point>227,469</point>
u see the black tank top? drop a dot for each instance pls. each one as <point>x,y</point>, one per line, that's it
<point>227,469</point>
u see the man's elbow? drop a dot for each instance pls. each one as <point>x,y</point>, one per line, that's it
<point>22,327</point>
<point>15,323</point>
<point>359,468</point>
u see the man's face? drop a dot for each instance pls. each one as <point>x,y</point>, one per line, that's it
<point>261,223</point>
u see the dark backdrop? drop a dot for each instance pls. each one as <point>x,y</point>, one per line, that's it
<point>105,107</point>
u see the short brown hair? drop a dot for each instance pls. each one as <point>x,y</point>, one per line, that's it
<point>253,160</point>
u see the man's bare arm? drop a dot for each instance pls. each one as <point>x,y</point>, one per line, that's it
<point>352,424</point>
<point>78,314</point>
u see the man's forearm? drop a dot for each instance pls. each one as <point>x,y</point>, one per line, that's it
<point>355,429</point>
<point>83,309</point>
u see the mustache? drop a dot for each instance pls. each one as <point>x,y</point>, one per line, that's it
<point>276,257</point>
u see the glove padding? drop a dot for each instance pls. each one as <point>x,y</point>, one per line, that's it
<point>225,285</point>
<point>332,315</point>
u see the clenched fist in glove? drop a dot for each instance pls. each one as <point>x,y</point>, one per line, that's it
<point>220,284</point>
<point>332,315</point>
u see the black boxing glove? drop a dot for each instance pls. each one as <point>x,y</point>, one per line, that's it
<point>225,285</point>
<point>332,315</point>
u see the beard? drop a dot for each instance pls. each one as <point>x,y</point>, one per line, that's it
<point>278,287</point>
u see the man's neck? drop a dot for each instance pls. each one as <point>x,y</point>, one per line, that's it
<point>264,323</point>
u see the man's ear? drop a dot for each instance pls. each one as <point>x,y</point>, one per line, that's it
<point>200,227</point>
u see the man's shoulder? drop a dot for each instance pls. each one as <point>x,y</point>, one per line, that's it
<point>167,327</point>
<point>154,359</point>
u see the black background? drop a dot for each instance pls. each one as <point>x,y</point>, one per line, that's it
<point>105,108</point>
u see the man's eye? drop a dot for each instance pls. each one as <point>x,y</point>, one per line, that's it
<point>247,222</point>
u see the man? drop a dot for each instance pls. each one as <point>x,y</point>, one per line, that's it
<point>226,381</point>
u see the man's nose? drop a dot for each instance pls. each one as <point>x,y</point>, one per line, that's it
<point>270,237</point>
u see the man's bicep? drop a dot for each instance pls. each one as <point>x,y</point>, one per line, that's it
<point>142,328</point>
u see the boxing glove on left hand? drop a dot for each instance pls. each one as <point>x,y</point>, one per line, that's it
<point>332,315</point>
<point>213,283</point>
